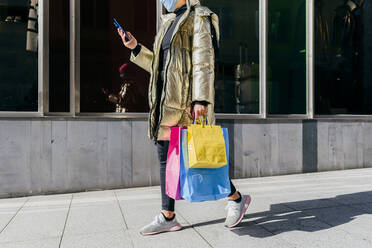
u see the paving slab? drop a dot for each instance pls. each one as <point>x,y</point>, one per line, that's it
<point>35,224</point>
<point>8,210</point>
<point>94,212</point>
<point>304,230</point>
<point>12,203</point>
<point>111,239</point>
<point>351,220</point>
<point>62,200</point>
<point>364,207</point>
<point>94,219</point>
<point>136,193</point>
<point>43,243</point>
<point>42,217</point>
<point>186,238</point>
<point>355,198</point>
<point>94,198</point>
<point>330,238</point>
<point>248,235</point>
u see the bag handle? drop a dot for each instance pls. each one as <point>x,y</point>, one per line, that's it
<point>203,121</point>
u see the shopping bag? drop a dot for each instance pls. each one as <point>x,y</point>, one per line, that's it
<point>206,146</point>
<point>200,184</point>
<point>172,171</point>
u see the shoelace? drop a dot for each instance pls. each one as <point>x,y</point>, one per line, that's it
<point>232,207</point>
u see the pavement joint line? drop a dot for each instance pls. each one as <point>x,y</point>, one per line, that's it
<point>192,226</point>
<point>122,214</point>
<point>19,209</point>
<point>121,211</point>
<point>64,227</point>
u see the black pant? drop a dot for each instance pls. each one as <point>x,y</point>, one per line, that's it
<point>167,203</point>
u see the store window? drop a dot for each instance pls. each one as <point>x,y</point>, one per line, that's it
<point>19,55</point>
<point>343,57</point>
<point>102,55</point>
<point>286,68</point>
<point>59,56</point>
<point>237,63</point>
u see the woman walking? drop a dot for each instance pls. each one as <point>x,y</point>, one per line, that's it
<point>181,89</point>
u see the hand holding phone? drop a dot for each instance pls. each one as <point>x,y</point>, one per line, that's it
<point>117,25</point>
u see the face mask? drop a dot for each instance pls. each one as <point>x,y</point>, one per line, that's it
<point>170,5</point>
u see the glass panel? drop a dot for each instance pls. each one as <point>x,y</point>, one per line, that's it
<point>19,55</point>
<point>286,69</point>
<point>102,54</point>
<point>237,64</point>
<point>343,57</point>
<point>59,56</point>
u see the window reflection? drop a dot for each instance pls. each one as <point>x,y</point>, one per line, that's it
<point>237,64</point>
<point>103,54</point>
<point>19,57</point>
<point>286,72</point>
<point>343,62</point>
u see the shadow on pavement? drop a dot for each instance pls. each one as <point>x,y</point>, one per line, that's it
<point>307,216</point>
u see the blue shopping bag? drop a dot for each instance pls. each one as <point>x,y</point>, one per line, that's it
<point>198,185</point>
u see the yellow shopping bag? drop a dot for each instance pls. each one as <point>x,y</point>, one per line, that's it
<point>206,146</point>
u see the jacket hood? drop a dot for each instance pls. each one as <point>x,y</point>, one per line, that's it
<point>192,3</point>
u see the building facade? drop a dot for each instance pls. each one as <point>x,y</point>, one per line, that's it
<point>293,86</point>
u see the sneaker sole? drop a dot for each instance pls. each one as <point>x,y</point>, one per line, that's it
<point>246,205</point>
<point>173,229</point>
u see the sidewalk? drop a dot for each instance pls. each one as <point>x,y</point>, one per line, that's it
<point>330,209</point>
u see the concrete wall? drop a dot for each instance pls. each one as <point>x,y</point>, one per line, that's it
<point>40,156</point>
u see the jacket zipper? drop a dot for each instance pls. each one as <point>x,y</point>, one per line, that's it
<point>166,72</point>
<point>153,79</point>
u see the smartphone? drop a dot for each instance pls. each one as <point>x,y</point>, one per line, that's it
<point>117,25</point>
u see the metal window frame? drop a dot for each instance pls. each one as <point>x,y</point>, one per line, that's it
<point>46,112</point>
<point>310,59</point>
<point>74,57</point>
<point>43,54</point>
<point>263,53</point>
<point>43,72</point>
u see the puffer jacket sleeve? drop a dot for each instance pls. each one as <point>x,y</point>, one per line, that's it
<point>143,59</point>
<point>202,60</point>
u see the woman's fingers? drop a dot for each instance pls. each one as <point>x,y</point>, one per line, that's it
<point>197,115</point>
<point>132,43</point>
<point>130,35</point>
<point>199,110</point>
<point>121,33</point>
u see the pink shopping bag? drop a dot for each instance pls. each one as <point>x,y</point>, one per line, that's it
<point>172,172</point>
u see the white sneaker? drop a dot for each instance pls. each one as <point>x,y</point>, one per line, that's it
<point>236,211</point>
<point>160,224</point>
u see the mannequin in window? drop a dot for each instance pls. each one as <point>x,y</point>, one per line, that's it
<point>322,58</point>
<point>347,41</point>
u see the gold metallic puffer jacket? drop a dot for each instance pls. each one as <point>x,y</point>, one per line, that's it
<point>189,71</point>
